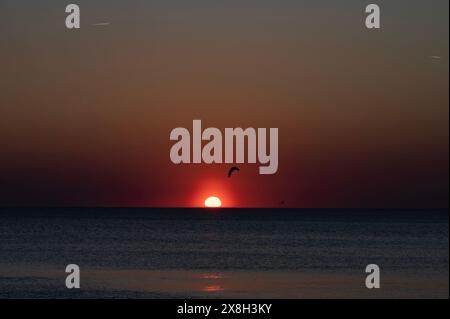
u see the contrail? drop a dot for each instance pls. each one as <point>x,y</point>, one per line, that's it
<point>101,24</point>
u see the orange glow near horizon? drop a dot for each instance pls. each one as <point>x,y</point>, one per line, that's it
<point>213,202</point>
<point>210,187</point>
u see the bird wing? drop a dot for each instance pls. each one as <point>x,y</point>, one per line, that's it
<point>232,170</point>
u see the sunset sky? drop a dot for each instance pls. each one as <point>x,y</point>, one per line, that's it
<point>363,115</point>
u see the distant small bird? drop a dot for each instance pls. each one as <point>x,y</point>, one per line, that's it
<point>232,170</point>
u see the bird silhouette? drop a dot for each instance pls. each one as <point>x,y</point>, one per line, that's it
<point>232,170</point>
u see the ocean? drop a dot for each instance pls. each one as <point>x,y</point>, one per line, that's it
<point>223,253</point>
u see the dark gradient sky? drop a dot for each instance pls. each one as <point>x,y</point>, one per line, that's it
<point>362,115</point>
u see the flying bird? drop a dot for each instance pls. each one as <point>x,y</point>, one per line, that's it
<point>232,170</point>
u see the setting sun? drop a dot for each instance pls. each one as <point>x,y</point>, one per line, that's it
<point>213,202</point>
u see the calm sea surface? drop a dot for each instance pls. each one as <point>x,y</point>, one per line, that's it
<point>170,253</point>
